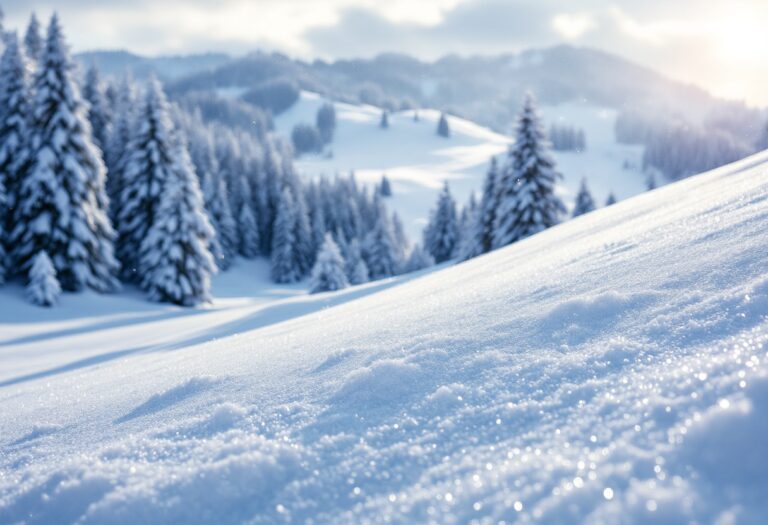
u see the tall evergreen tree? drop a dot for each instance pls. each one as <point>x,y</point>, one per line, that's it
<point>15,154</point>
<point>526,187</point>
<point>62,203</point>
<point>99,112</point>
<point>118,144</point>
<point>441,235</point>
<point>148,163</point>
<point>43,288</point>
<point>286,258</point>
<point>247,224</point>
<point>443,128</point>
<point>33,41</point>
<point>584,201</point>
<point>219,212</point>
<point>174,258</point>
<point>488,206</point>
<point>328,273</point>
<point>380,247</point>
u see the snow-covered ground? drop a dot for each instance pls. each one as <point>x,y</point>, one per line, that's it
<point>609,370</point>
<point>417,160</point>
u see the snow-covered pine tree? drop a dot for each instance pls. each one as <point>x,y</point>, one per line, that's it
<point>380,247</point>
<point>385,188</point>
<point>442,233</point>
<point>219,212</point>
<point>62,203</point>
<point>15,153</point>
<point>401,239</point>
<point>482,240</point>
<point>148,163</point>
<point>285,259</point>
<point>419,259</point>
<point>33,41</point>
<point>526,186</point>
<point>4,259</point>
<point>99,112</point>
<point>584,201</point>
<point>118,143</point>
<point>443,128</point>
<point>43,289</point>
<point>246,221</point>
<point>174,258</point>
<point>611,200</point>
<point>328,273</point>
<point>355,267</point>
<point>467,243</point>
<point>384,122</point>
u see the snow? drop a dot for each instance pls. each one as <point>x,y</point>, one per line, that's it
<point>417,161</point>
<point>610,370</point>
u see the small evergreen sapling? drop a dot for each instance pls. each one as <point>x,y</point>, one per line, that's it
<point>328,273</point>
<point>611,200</point>
<point>385,188</point>
<point>43,288</point>
<point>584,201</point>
<point>443,129</point>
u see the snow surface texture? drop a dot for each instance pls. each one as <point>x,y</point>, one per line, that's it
<point>610,370</point>
<point>417,160</point>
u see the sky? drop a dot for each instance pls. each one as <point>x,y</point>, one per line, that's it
<point>721,45</point>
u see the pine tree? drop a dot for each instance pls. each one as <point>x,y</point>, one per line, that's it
<point>62,203</point>
<point>148,163</point>
<point>286,259</point>
<point>526,186</point>
<point>611,200</point>
<point>43,288</point>
<point>328,273</point>
<point>443,129</point>
<point>419,260</point>
<point>355,267</point>
<point>98,113</point>
<point>33,41</point>
<point>385,188</point>
<point>174,258</point>
<point>380,246</point>
<point>246,222</point>
<point>220,214</point>
<point>441,235</point>
<point>584,201</point>
<point>118,144</point>
<point>15,154</point>
<point>384,123</point>
<point>483,242</point>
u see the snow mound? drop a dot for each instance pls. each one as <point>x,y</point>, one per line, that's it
<point>611,370</point>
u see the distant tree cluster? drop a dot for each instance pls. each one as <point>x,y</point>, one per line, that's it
<point>676,148</point>
<point>567,138</point>
<point>309,138</point>
<point>276,96</point>
<point>102,183</point>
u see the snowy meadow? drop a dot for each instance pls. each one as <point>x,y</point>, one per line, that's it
<point>239,291</point>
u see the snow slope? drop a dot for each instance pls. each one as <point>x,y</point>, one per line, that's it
<point>418,161</point>
<point>609,370</point>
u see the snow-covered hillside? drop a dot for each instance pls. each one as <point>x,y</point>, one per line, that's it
<point>417,160</point>
<point>609,370</point>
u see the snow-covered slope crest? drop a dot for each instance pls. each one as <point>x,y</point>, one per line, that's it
<point>610,370</point>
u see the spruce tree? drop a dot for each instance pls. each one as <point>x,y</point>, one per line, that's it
<point>611,200</point>
<point>441,235</point>
<point>584,201</point>
<point>385,188</point>
<point>380,247</point>
<point>15,144</point>
<point>4,259</point>
<point>419,260</point>
<point>33,41</point>
<point>328,273</point>
<point>174,258</point>
<point>246,221</point>
<point>99,112</point>
<point>119,141</point>
<point>355,267</point>
<point>43,288</point>
<point>481,241</point>
<point>285,259</point>
<point>443,128</point>
<point>526,186</point>
<point>220,214</point>
<point>62,203</point>
<point>148,163</point>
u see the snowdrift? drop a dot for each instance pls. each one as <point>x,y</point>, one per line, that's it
<point>609,370</point>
